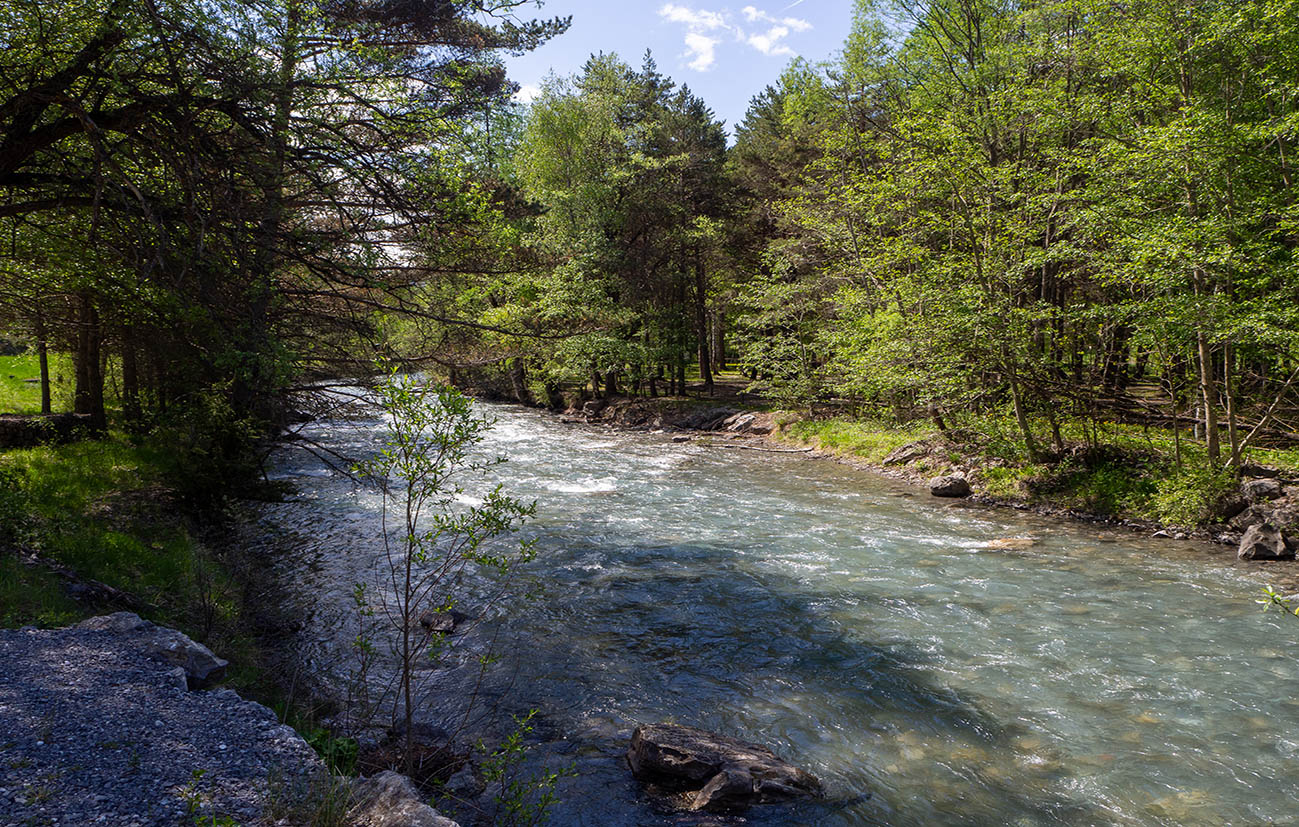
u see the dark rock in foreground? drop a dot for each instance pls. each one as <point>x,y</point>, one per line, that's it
<point>724,773</point>
<point>1265,542</point>
<point>952,485</point>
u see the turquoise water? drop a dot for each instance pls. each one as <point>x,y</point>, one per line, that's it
<point>893,644</point>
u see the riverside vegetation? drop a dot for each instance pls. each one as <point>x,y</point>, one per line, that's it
<point>1056,240</point>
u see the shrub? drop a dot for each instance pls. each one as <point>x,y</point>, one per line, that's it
<point>1192,496</point>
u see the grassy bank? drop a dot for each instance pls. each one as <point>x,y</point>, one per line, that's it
<point>19,377</point>
<point>1118,470</point>
<point>120,511</point>
<point>107,510</point>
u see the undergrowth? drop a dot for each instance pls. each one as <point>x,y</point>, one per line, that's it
<point>1116,469</point>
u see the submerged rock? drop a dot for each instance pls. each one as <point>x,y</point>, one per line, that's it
<point>1010,543</point>
<point>951,485</point>
<point>725,773</point>
<point>442,622</point>
<point>1265,542</point>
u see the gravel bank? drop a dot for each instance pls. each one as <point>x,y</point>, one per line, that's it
<point>92,731</point>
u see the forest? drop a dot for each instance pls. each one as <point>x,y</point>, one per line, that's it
<point>1062,214</point>
<point>1049,248</point>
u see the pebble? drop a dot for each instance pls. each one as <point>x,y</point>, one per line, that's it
<point>118,744</point>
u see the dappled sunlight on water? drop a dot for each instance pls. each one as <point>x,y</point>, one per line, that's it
<point>963,665</point>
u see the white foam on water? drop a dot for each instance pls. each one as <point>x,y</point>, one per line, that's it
<point>604,485</point>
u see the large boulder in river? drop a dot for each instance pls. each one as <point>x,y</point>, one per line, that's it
<point>950,485</point>
<point>723,773</point>
<point>202,668</point>
<point>1265,542</point>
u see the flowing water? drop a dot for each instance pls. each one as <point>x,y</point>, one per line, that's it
<point>889,642</point>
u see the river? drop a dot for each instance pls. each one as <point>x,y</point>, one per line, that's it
<point>882,639</point>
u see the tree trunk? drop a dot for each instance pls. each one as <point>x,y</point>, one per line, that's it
<point>130,378</point>
<point>519,383</point>
<point>43,356</point>
<point>719,341</point>
<point>1229,388</point>
<point>701,325</point>
<point>554,396</point>
<point>1021,417</point>
<point>936,415</point>
<point>88,397</point>
<point>1209,392</point>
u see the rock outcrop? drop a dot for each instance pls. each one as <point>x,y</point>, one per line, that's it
<point>1261,489</point>
<point>950,485</point>
<point>722,773</point>
<point>1265,542</point>
<point>202,668</point>
<point>906,454</point>
<point>387,799</point>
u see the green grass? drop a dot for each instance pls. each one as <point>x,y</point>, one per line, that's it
<point>19,395</point>
<point>33,596</point>
<point>868,440</point>
<point>1133,474</point>
<point>103,509</point>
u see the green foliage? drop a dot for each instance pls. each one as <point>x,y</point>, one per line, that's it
<point>214,446</point>
<point>521,799</point>
<point>339,753</point>
<point>15,508</point>
<point>197,802</point>
<point>319,800</point>
<point>429,537</point>
<point>1271,598</point>
<point>18,394</point>
<point>107,510</point>
<point>1192,495</point>
<point>30,596</point>
<point>869,440</point>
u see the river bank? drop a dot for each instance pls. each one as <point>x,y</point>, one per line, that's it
<point>945,657</point>
<point>942,656</point>
<point>917,455</point>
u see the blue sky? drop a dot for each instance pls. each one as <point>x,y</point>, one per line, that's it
<point>725,53</point>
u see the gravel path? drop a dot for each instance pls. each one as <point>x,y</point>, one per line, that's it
<point>94,732</point>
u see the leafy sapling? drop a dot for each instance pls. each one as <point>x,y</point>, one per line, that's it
<point>430,536</point>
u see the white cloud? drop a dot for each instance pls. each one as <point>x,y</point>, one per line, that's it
<point>703,49</point>
<point>702,24</point>
<point>755,15</point>
<point>527,93</point>
<point>769,43</point>
<point>695,19</point>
